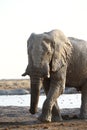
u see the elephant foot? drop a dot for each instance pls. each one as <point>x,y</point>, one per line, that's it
<point>44,118</point>
<point>56,119</point>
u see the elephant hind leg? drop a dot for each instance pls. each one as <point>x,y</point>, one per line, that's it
<point>83,112</point>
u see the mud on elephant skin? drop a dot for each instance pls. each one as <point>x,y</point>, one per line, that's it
<point>57,61</point>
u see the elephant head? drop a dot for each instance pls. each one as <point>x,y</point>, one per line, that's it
<point>47,54</point>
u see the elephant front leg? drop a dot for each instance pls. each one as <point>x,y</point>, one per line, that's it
<point>49,108</point>
<point>56,115</point>
<point>83,112</point>
<point>57,85</point>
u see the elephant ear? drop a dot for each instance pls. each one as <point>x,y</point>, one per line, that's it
<point>62,52</point>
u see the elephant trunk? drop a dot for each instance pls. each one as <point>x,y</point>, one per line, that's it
<point>35,90</point>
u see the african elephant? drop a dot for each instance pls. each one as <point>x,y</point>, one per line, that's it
<point>57,61</point>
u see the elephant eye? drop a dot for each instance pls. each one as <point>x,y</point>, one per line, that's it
<point>48,53</point>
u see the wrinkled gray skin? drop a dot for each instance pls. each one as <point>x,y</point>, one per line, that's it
<point>57,61</point>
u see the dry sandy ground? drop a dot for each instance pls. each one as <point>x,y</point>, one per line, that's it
<point>19,118</point>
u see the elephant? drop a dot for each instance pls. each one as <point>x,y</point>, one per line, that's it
<point>56,61</point>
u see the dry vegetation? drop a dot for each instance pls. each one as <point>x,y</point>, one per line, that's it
<point>14,84</point>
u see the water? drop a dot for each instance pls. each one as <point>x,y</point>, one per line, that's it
<point>64,101</point>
